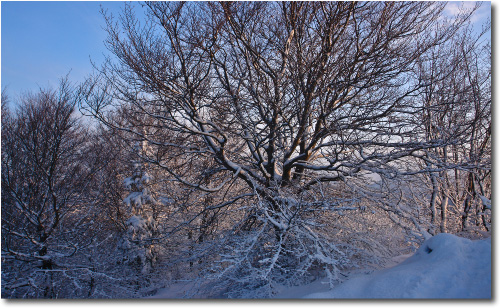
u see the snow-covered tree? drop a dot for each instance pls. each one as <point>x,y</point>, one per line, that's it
<point>47,210</point>
<point>139,245</point>
<point>456,108</point>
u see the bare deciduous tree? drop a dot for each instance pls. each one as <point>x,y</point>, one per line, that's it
<point>47,168</point>
<point>457,108</point>
<point>260,104</point>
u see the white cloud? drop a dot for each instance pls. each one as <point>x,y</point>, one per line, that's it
<point>452,9</point>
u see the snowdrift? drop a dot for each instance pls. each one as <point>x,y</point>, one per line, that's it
<point>445,266</point>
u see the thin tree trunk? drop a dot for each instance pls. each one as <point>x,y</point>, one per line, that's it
<point>444,213</point>
<point>434,195</point>
<point>468,201</point>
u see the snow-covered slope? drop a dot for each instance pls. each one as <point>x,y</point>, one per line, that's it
<point>445,266</point>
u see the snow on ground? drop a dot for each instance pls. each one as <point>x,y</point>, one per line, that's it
<point>180,289</point>
<point>445,266</point>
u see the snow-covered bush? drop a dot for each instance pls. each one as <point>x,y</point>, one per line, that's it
<point>305,240</point>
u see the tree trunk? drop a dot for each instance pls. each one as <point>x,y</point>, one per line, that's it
<point>468,201</point>
<point>444,213</point>
<point>435,190</point>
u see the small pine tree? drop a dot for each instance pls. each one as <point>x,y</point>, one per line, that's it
<point>137,245</point>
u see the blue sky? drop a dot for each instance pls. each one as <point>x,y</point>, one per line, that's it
<point>43,41</point>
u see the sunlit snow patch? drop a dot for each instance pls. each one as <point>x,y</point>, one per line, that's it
<point>445,266</point>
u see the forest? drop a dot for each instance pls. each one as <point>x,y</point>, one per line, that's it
<point>244,146</point>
